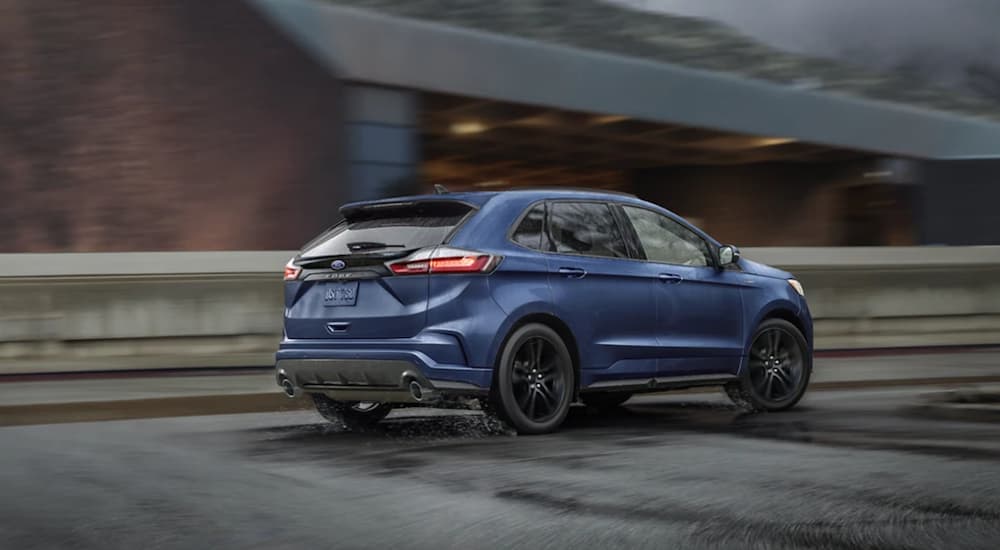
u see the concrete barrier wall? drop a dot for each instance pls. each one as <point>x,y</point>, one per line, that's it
<point>77,312</point>
<point>897,297</point>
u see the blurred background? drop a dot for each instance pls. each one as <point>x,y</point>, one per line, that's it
<point>184,150</point>
<point>233,125</point>
<point>161,160</point>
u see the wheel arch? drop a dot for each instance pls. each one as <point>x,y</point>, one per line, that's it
<point>786,315</point>
<point>555,323</point>
<point>784,310</point>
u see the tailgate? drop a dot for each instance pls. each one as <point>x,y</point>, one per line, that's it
<point>379,307</point>
<point>344,289</point>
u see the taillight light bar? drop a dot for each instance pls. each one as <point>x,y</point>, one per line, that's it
<point>461,264</point>
<point>292,271</point>
<point>410,268</point>
<point>446,261</point>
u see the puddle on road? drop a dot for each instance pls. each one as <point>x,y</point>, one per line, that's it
<point>461,452</point>
<point>641,424</point>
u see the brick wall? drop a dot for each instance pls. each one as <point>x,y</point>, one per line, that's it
<point>153,125</point>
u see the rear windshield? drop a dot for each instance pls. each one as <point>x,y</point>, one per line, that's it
<point>389,228</point>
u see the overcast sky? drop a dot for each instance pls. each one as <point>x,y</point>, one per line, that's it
<point>941,37</point>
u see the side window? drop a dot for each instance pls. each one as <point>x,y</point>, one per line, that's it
<point>585,228</point>
<point>529,232</point>
<point>667,241</point>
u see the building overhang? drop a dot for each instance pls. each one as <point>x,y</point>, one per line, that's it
<point>368,46</point>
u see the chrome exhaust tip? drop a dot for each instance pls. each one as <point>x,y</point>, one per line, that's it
<point>288,387</point>
<point>416,391</point>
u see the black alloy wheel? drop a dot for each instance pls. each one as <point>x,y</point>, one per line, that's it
<point>777,370</point>
<point>535,380</point>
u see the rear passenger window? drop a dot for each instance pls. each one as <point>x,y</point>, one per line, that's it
<point>529,232</point>
<point>585,228</point>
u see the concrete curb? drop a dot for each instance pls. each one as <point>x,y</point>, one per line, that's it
<point>963,412</point>
<point>971,405</point>
<point>130,409</point>
<point>904,382</point>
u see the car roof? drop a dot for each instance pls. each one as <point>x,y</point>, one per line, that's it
<point>479,198</point>
<point>513,200</point>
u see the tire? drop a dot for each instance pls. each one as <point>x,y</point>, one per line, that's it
<point>356,417</point>
<point>778,368</point>
<point>604,400</point>
<point>535,381</point>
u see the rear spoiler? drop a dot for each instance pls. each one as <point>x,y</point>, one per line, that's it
<point>355,208</point>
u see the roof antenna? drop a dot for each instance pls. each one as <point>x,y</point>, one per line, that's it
<point>440,189</point>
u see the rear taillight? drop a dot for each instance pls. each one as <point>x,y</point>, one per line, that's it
<point>292,271</point>
<point>461,264</point>
<point>410,268</point>
<point>447,260</point>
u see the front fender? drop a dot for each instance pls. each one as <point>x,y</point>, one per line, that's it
<point>780,308</point>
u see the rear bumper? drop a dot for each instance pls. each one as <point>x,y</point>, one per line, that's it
<point>378,370</point>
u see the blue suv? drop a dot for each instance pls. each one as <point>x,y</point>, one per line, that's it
<point>529,301</point>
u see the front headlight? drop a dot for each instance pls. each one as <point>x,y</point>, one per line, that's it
<point>797,286</point>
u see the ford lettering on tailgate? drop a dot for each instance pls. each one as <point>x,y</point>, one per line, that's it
<point>340,294</point>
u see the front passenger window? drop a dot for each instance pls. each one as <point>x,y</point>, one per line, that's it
<point>667,241</point>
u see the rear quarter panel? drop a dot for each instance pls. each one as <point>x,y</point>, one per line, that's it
<point>519,288</point>
<point>462,306</point>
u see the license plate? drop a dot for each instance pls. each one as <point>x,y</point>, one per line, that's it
<point>340,294</point>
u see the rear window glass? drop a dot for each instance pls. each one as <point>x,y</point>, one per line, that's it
<point>389,228</point>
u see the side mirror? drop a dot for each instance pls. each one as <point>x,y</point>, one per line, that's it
<point>728,254</point>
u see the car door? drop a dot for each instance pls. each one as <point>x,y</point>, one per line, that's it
<point>600,292</point>
<point>699,307</point>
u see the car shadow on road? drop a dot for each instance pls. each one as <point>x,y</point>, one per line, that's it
<point>634,422</point>
<point>582,421</point>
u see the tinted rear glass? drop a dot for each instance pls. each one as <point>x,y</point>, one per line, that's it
<point>389,228</point>
<point>585,228</point>
<point>529,232</point>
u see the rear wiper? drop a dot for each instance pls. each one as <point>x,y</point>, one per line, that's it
<point>370,245</point>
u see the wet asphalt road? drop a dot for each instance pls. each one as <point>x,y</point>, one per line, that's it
<point>846,470</point>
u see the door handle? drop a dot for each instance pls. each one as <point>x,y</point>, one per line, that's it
<point>670,278</point>
<point>573,272</point>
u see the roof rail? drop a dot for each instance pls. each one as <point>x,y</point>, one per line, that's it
<point>577,189</point>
